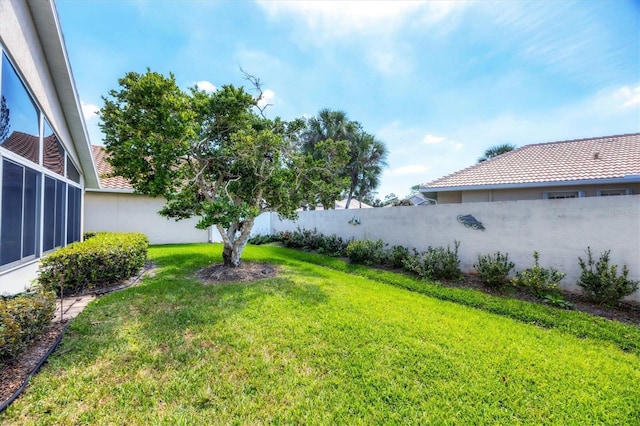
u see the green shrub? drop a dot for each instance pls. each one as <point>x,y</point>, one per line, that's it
<point>366,252</point>
<point>601,280</point>
<point>23,318</point>
<point>397,256</point>
<point>99,262</point>
<point>494,269</point>
<point>435,263</point>
<point>541,281</point>
<point>262,239</point>
<point>331,245</point>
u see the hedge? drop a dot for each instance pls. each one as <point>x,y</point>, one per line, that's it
<point>101,261</point>
<point>23,318</point>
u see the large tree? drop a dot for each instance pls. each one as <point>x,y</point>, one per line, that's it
<point>367,155</point>
<point>213,155</point>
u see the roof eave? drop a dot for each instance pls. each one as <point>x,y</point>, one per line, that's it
<point>607,181</point>
<point>49,30</point>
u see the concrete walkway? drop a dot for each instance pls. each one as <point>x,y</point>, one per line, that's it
<point>72,306</point>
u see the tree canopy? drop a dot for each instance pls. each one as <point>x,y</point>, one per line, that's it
<point>496,150</point>
<point>214,155</point>
<point>367,154</point>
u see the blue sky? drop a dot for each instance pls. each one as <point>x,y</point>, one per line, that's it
<point>438,82</point>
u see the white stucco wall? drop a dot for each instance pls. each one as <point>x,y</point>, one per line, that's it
<point>126,212</point>
<point>560,230</point>
<point>21,42</point>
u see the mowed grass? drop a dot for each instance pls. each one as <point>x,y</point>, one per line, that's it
<point>318,345</point>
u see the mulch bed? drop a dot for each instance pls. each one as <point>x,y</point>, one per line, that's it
<point>247,271</point>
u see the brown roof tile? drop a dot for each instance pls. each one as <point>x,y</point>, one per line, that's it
<point>606,157</point>
<point>105,170</point>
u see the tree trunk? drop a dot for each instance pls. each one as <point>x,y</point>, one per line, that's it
<point>235,239</point>
<point>231,256</point>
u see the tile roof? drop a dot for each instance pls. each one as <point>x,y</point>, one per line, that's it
<point>105,170</point>
<point>609,157</point>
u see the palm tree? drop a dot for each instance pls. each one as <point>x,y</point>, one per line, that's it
<point>328,125</point>
<point>368,158</point>
<point>496,150</point>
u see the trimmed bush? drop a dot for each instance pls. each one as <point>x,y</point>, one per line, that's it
<point>541,281</point>
<point>366,252</point>
<point>494,269</point>
<point>601,281</point>
<point>23,318</point>
<point>435,263</point>
<point>102,261</point>
<point>397,256</point>
<point>331,245</point>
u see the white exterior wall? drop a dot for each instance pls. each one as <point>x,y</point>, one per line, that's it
<point>22,44</point>
<point>126,212</point>
<point>560,230</point>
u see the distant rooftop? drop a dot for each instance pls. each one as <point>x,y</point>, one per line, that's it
<point>105,170</point>
<point>609,157</point>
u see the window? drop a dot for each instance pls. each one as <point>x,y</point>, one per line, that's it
<point>53,152</point>
<point>55,201</point>
<point>612,192</point>
<point>73,214</point>
<point>558,195</point>
<point>19,209</point>
<point>19,122</point>
<point>40,193</point>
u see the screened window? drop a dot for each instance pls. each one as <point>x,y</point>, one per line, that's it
<point>19,128</point>
<point>72,172</point>
<point>55,202</point>
<point>18,228</point>
<point>52,151</point>
<point>612,192</point>
<point>73,214</point>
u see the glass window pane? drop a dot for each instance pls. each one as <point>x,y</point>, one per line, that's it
<point>72,172</point>
<point>19,129</point>
<point>52,151</point>
<point>30,223</point>
<point>48,237</point>
<point>11,225</point>
<point>61,201</point>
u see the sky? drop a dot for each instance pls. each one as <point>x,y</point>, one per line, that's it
<point>438,82</point>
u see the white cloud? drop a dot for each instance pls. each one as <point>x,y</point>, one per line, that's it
<point>89,111</point>
<point>432,139</point>
<point>629,96</point>
<point>206,86</point>
<point>267,96</point>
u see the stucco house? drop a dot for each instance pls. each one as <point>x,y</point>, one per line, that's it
<point>594,167</point>
<point>113,206</point>
<point>45,154</point>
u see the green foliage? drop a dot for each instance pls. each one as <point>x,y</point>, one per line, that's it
<point>494,269</point>
<point>99,262</point>
<point>214,155</point>
<point>557,300</point>
<point>329,342</point>
<point>366,252</point>
<point>601,281</point>
<point>22,319</point>
<point>397,256</point>
<point>435,263</point>
<point>331,245</point>
<point>258,240</point>
<point>541,281</point>
<point>360,176</point>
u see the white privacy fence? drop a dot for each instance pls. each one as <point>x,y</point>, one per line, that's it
<point>560,230</point>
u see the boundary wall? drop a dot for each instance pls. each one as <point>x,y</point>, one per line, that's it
<point>560,230</point>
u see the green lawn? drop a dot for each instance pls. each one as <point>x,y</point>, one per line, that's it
<point>328,343</point>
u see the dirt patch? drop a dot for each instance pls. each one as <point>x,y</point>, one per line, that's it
<point>247,271</point>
